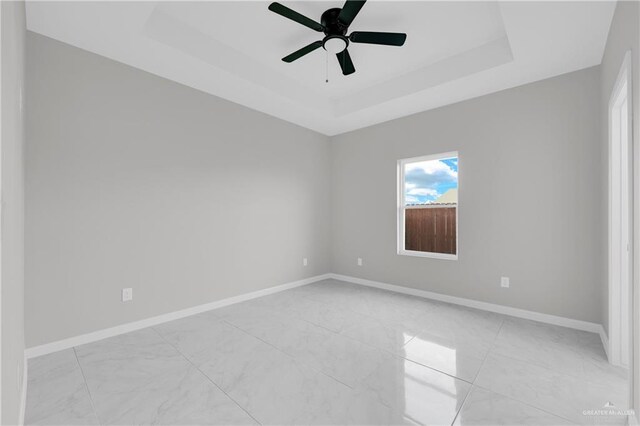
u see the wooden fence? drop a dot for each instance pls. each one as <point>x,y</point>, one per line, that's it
<point>430,229</point>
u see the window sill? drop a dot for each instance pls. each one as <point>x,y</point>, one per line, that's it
<point>441,256</point>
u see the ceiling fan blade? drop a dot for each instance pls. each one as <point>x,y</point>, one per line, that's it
<point>388,39</point>
<point>301,52</point>
<point>295,16</point>
<point>345,62</point>
<point>350,11</point>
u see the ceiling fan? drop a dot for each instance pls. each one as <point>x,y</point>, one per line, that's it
<point>334,23</point>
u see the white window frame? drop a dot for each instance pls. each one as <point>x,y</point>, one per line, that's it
<point>401,208</point>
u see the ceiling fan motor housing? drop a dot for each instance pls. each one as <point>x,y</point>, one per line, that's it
<point>335,40</point>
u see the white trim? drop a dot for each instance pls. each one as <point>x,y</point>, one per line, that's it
<point>23,396</point>
<point>59,345</point>
<point>616,249</point>
<point>431,206</point>
<point>401,207</point>
<point>633,420</point>
<point>137,325</point>
<point>432,255</point>
<point>1,209</point>
<point>605,340</point>
<point>500,309</point>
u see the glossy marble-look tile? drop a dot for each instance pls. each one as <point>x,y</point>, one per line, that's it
<point>454,340</point>
<point>315,346</point>
<point>201,337</point>
<point>415,392</point>
<point>561,349</point>
<point>382,305</point>
<point>321,313</point>
<point>560,394</point>
<point>333,318</point>
<point>366,301</point>
<point>57,393</point>
<point>138,378</point>
<point>377,333</point>
<point>460,324</point>
<point>327,291</point>
<point>483,407</point>
<point>269,384</point>
<point>331,353</point>
<point>454,357</point>
<point>400,384</point>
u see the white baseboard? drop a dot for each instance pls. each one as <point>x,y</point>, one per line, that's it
<point>137,325</point>
<point>500,309</point>
<point>23,394</point>
<point>59,345</point>
<point>605,341</point>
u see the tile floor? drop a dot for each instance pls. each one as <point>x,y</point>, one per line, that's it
<point>331,353</point>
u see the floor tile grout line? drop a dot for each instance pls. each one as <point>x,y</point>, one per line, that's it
<point>409,341</point>
<point>357,341</point>
<point>528,404</point>
<point>462,405</point>
<point>362,287</point>
<point>342,333</point>
<point>353,339</point>
<point>475,385</point>
<point>435,369</point>
<point>552,370</point>
<point>389,325</point>
<point>478,372</point>
<point>369,346</point>
<point>288,355</point>
<point>438,303</point>
<point>319,370</point>
<point>365,288</point>
<point>206,375</point>
<point>491,352</point>
<point>86,384</point>
<point>534,364</point>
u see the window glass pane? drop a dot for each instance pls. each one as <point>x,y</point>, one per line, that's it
<point>427,182</point>
<point>431,201</point>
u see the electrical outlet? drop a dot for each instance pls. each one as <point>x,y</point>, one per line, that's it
<point>359,261</point>
<point>127,294</point>
<point>305,261</point>
<point>504,282</point>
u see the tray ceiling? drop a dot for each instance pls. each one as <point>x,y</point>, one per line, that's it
<point>454,51</point>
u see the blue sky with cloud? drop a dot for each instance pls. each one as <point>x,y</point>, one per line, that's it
<point>425,181</point>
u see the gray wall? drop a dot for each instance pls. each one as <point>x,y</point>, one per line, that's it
<point>530,197</point>
<point>624,35</point>
<point>136,181</point>
<point>13,46</point>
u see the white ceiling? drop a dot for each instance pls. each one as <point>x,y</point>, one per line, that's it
<point>454,51</point>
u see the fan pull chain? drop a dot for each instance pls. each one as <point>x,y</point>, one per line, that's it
<point>327,67</point>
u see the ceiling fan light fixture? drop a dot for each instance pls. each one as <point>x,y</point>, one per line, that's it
<point>335,44</point>
<point>334,23</point>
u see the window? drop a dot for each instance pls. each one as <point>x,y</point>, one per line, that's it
<point>428,206</point>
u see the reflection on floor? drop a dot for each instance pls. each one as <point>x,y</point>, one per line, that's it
<point>332,353</point>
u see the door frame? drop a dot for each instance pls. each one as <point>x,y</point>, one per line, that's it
<point>620,234</point>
